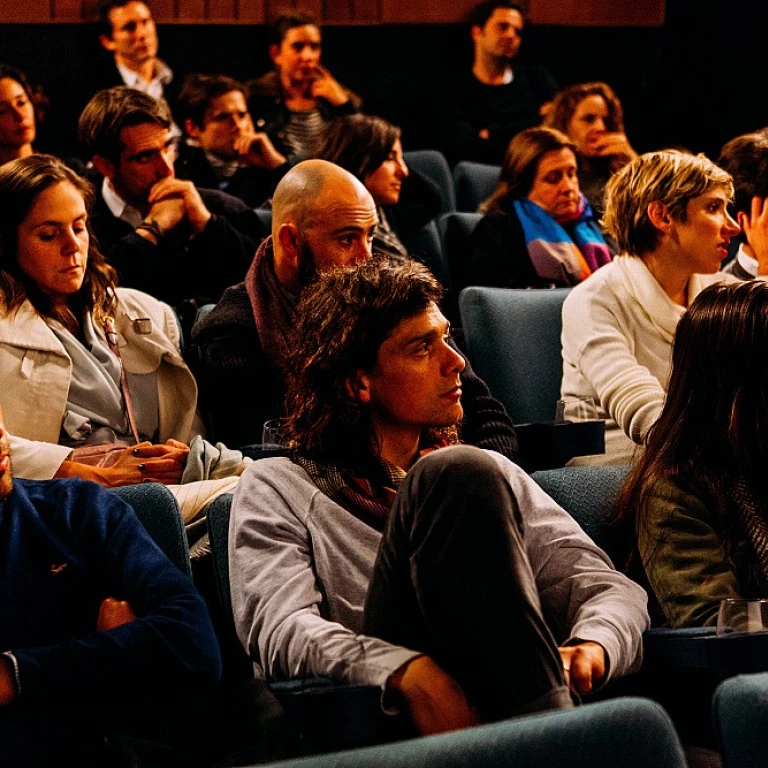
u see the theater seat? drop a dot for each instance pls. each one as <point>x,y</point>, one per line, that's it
<point>158,512</point>
<point>474,183</point>
<point>626,732</point>
<point>513,340</point>
<point>433,165</point>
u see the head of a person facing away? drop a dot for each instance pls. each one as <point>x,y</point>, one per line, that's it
<point>322,217</point>
<point>18,121</point>
<point>127,134</point>
<point>295,45</point>
<point>372,372</point>
<point>497,29</point>
<point>713,429</point>
<point>128,32</point>
<point>370,149</point>
<point>46,252</point>
<point>670,209</point>
<point>540,165</point>
<point>215,113</point>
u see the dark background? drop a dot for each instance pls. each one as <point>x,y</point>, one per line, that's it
<point>695,82</point>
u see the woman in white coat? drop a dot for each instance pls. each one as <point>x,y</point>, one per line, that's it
<point>72,344</point>
<point>668,213</point>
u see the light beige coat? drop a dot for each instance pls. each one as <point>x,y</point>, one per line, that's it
<point>35,373</point>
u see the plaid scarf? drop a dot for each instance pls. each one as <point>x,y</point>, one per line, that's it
<point>369,500</point>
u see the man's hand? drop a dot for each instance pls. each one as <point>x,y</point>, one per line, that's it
<point>325,86</point>
<point>256,149</point>
<point>177,189</point>
<point>584,666</point>
<point>140,463</point>
<point>610,145</point>
<point>114,613</point>
<point>755,226</point>
<point>7,682</point>
<point>435,701</point>
<point>167,213</point>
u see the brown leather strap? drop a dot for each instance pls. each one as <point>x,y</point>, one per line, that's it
<point>110,331</point>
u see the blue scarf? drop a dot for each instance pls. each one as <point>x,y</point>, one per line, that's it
<point>564,253</point>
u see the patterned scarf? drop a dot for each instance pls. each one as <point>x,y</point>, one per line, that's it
<point>753,521</point>
<point>564,253</point>
<point>369,500</point>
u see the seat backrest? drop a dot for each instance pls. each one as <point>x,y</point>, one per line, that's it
<point>433,165</point>
<point>265,214</point>
<point>158,512</point>
<point>589,495</point>
<point>427,247</point>
<point>218,533</point>
<point>473,183</point>
<point>630,732</point>
<point>513,339</point>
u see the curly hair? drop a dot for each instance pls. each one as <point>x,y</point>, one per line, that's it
<point>343,319</point>
<point>22,181</point>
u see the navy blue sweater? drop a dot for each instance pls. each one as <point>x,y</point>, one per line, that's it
<point>65,545</point>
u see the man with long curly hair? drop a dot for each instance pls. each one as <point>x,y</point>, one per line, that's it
<point>382,553</point>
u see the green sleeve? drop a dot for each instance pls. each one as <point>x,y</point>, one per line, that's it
<point>684,556</point>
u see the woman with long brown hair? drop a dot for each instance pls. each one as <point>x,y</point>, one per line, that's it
<point>697,497</point>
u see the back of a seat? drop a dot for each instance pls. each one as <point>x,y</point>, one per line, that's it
<point>589,495</point>
<point>433,165</point>
<point>158,512</point>
<point>426,246</point>
<point>513,339</point>
<point>474,183</point>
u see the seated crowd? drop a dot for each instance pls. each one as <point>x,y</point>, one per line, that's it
<point>396,543</point>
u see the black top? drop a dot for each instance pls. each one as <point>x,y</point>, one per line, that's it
<point>504,110</point>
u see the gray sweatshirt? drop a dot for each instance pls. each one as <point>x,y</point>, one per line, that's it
<point>300,566</point>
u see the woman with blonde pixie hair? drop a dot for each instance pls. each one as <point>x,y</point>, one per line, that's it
<point>668,213</point>
<point>592,117</point>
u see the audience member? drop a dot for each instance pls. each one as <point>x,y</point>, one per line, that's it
<point>448,580</point>
<point>539,230</point>
<point>74,348</point>
<point>163,235</point>
<point>697,497</point>
<point>17,115</point>
<point>222,150</point>
<point>497,100</point>
<point>668,213</point>
<point>295,101</point>
<point>370,149</point>
<point>91,611</point>
<point>322,217</point>
<point>746,159</point>
<point>592,117</point>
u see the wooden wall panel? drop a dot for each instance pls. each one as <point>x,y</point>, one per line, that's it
<point>250,11</point>
<point>26,12</point>
<point>67,10</point>
<point>424,11</point>
<point>275,8</point>
<point>164,11</point>
<point>192,11</point>
<point>221,10</point>
<point>598,13</point>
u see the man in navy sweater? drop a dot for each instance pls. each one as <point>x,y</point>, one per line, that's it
<point>101,636</point>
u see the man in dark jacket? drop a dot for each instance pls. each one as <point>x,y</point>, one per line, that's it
<point>162,234</point>
<point>323,217</point>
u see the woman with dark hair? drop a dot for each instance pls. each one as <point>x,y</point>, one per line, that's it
<point>17,115</point>
<point>698,497</point>
<point>592,117</point>
<point>539,230</point>
<point>370,149</point>
<point>83,364</point>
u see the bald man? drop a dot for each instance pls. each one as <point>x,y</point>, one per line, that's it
<point>322,217</point>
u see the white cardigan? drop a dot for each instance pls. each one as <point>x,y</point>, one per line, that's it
<point>618,330</point>
<point>35,373</point>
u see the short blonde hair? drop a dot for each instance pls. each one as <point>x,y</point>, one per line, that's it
<point>670,177</point>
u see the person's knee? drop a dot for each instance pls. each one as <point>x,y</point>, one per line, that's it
<point>459,464</point>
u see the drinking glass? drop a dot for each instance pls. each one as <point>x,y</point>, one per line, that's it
<point>576,409</point>
<point>737,615</point>
<point>273,434</point>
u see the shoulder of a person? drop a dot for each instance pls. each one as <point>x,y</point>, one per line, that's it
<point>266,85</point>
<point>232,314</point>
<point>599,286</point>
<point>131,299</point>
<point>218,202</point>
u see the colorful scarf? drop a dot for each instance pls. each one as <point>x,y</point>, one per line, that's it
<point>563,253</point>
<point>369,500</point>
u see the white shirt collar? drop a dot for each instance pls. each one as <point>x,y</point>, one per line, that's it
<point>746,261</point>
<point>118,207</point>
<point>154,87</point>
